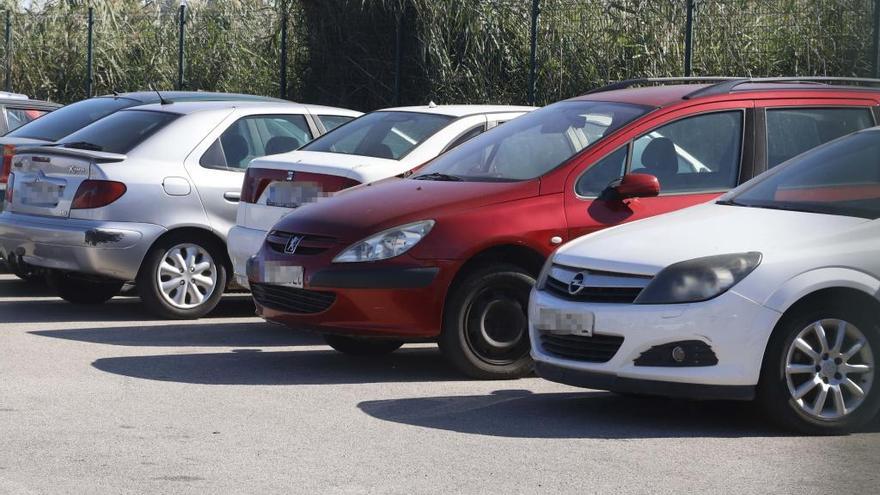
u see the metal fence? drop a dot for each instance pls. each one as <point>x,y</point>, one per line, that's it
<point>371,54</point>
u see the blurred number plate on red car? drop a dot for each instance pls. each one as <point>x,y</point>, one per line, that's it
<point>286,275</point>
<point>566,322</point>
<point>291,194</point>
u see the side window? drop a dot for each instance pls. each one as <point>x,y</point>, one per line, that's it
<point>596,178</point>
<point>791,131</point>
<point>17,117</point>
<point>470,134</point>
<point>256,136</point>
<point>333,121</point>
<point>692,154</point>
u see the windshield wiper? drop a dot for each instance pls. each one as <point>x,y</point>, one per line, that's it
<point>728,202</point>
<point>82,145</point>
<point>438,176</point>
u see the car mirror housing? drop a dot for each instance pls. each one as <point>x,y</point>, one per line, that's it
<point>637,186</point>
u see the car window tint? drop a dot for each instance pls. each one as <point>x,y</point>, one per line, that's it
<point>120,132</point>
<point>381,134</point>
<point>256,136</point>
<point>596,178</point>
<point>71,118</point>
<point>476,131</point>
<point>333,121</point>
<point>17,117</point>
<point>791,131</point>
<point>693,154</point>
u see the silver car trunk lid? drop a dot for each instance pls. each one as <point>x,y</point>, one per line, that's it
<point>47,178</point>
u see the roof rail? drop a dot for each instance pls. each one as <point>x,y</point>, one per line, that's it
<point>655,80</point>
<point>725,87</point>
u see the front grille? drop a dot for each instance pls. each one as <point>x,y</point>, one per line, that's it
<point>309,245</point>
<point>595,286</point>
<point>302,301</point>
<point>595,349</point>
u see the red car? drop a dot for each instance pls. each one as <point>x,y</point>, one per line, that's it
<point>451,252</point>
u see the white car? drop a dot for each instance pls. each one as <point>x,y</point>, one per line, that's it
<point>376,146</point>
<point>771,292</point>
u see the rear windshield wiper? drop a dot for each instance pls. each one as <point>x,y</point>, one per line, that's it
<point>83,145</point>
<point>438,176</point>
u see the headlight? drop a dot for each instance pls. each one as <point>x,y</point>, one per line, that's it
<point>698,279</point>
<point>386,244</point>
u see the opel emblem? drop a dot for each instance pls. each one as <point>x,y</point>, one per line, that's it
<point>577,284</point>
<point>292,244</point>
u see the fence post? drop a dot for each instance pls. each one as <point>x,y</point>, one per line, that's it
<point>533,51</point>
<point>689,38</point>
<point>876,52</point>
<point>181,23</point>
<point>89,50</point>
<point>282,83</point>
<point>397,47</point>
<point>8,57</point>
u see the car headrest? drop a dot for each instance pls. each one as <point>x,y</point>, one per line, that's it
<point>235,148</point>
<point>282,144</point>
<point>660,158</point>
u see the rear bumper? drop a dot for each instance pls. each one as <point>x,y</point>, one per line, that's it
<point>111,249</point>
<point>242,243</point>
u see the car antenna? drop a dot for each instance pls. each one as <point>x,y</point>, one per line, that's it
<point>162,101</point>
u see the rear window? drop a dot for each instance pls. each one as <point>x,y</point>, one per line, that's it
<point>791,131</point>
<point>333,121</point>
<point>17,117</point>
<point>71,118</point>
<point>120,132</point>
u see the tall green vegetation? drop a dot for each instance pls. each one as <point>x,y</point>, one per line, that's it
<point>342,52</point>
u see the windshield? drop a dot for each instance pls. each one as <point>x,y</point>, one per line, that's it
<point>120,132</point>
<point>70,118</point>
<point>841,178</point>
<point>534,144</point>
<point>381,134</point>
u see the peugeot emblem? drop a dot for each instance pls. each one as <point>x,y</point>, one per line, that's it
<point>292,244</point>
<point>577,284</point>
<point>290,174</point>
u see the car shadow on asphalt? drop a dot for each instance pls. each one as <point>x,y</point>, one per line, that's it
<point>11,286</point>
<point>118,309</point>
<point>523,414</point>
<point>256,334</point>
<point>302,367</point>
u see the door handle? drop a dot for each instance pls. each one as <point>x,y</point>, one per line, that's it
<point>233,196</point>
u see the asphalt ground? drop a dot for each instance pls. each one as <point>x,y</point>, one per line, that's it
<point>104,399</point>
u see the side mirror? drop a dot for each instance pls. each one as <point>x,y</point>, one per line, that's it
<point>637,186</point>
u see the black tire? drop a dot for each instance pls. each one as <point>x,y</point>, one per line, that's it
<point>82,289</point>
<point>773,389</point>
<point>22,270</point>
<point>498,293</point>
<point>362,347</point>
<point>148,278</point>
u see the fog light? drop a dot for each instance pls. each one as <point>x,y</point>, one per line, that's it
<point>678,354</point>
<point>682,353</point>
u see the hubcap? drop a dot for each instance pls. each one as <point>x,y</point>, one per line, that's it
<point>496,324</point>
<point>829,369</point>
<point>187,276</point>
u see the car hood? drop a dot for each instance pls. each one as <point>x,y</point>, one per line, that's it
<point>360,168</point>
<point>649,245</point>
<point>367,209</point>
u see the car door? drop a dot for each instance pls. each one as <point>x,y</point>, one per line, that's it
<point>218,164</point>
<point>696,154</point>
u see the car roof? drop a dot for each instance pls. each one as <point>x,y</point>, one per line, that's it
<point>670,94</point>
<point>153,96</point>
<point>189,107</point>
<point>460,110</point>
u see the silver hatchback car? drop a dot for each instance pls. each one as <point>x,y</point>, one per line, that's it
<point>147,194</point>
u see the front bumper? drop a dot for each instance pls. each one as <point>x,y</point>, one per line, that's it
<point>735,328</point>
<point>399,298</point>
<point>111,249</point>
<point>242,243</point>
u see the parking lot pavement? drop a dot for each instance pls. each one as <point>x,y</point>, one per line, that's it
<point>104,399</point>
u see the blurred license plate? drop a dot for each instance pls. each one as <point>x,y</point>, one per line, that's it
<point>566,322</point>
<point>290,194</point>
<point>286,275</point>
<point>42,194</point>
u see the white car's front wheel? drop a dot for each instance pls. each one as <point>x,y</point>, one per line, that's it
<point>820,370</point>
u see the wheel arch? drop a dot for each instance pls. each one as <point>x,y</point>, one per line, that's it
<point>195,231</point>
<point>830,279</point>
<point>516,254</point>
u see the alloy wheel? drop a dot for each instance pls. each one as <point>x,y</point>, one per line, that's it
<point>829,369</point>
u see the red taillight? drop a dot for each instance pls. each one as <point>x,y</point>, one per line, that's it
<point>257,179</point>
<point>8,153</point>
<point>97,193</point>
